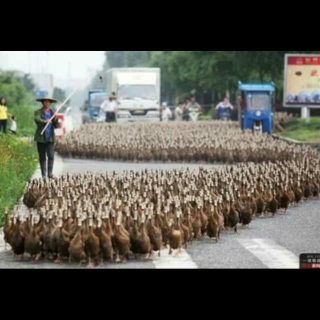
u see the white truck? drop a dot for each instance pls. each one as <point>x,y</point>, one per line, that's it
<point>138,93</point>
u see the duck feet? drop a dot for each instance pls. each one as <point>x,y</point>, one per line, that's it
<point>38,257</point>
<point>124,260</point>
<point>83,262</point>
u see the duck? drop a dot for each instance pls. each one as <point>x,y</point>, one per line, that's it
<point>32,243</point>
<point>197,226</point>
<point>8,228</point>
<point>175,238</point>
<point>273,204</point>
<point>285,199</point>
<point>233,217</point>
<point>121,241</point>
<point>135,236</point>
<point>144,242</point>
<point>92,244</point>
<point>47,236</point>
<point>17,240</point>
<point>155,235</point>
<point>247,214</point>
<point>105,235</point>
<point>63,242</point>
<point>77,246</point>
<point>213,228</point>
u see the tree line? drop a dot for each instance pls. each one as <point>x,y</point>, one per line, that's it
<point>209,75</point>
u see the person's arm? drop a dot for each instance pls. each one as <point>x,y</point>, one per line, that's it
<point>38,120</point>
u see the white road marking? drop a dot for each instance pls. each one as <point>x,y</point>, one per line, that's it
<point>182,261</point>
<point>271,254</point>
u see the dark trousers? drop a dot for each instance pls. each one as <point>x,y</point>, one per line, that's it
<point>3,125</point>
<point>110,116</point>
<point>46,151</point>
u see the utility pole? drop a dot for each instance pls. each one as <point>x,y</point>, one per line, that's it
<point>48,61</point>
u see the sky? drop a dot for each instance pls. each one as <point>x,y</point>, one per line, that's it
<point>64,65</point>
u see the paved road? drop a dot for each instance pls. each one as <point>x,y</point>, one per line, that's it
<point>269,243</point>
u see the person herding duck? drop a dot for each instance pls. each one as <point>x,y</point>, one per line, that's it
<point>46,141</point>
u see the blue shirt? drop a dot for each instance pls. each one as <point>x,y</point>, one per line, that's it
<point>49,129</point>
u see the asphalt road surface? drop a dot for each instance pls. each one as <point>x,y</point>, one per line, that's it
<point>269,243</point>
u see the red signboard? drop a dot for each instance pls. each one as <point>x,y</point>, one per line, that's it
<point>302,81</point>
<point>309,61</point>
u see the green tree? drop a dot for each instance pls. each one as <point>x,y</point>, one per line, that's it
<point>28,83</point>
<point>116,59</point>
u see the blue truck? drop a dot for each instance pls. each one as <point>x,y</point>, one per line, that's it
<point>256,107</point>
<point>92,112</point>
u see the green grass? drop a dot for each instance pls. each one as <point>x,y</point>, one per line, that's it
<point>299,130</point>
<point>18,161</point>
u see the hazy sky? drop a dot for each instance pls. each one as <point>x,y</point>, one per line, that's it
<point>62,64</point>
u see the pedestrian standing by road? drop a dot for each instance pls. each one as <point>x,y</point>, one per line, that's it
<point>166,113</point>
<point>185,110</point>
<point>3,115</point>
<point>13,127</point>
<point>46,141</point>
<point>194,106</point>
<point>109,106</point>
<point>179,112</point>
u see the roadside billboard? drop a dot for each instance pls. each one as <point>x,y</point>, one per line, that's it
<point>302,81</point>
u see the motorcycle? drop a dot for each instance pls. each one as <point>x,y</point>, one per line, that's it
<point>225,116</point>
<point>193,115</point>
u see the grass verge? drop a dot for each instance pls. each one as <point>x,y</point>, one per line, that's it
<point>299,130</point>
<point>18,162</point>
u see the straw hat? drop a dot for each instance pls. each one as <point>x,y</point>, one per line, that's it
<point>47,98</point>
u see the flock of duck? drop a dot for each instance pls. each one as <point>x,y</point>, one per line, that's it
<point>207,142</point>
<point>92,218</point>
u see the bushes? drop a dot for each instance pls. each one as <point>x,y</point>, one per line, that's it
<point>18,161</point>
